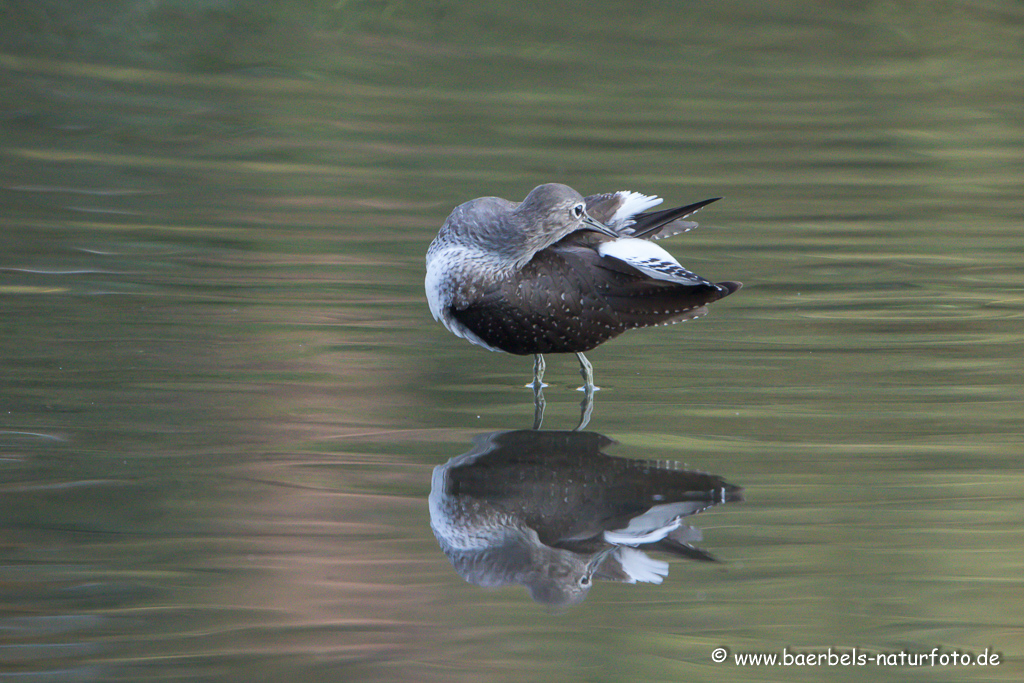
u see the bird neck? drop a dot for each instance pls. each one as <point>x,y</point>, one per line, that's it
<point>508,244</point>
<point>527,237</point>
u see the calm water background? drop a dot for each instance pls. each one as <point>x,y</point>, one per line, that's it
<point>222,394</point>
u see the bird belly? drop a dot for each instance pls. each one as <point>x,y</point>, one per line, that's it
<point>524,325</point>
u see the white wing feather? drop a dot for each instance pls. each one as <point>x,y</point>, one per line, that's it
<point>649,259</point>
<point>632,204</point>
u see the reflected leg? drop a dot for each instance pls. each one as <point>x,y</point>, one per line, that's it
<point>588,388</point>
<point>586,409</point>
<point>538,407</point>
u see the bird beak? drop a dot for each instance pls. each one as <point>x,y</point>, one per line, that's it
<point>590,223</point>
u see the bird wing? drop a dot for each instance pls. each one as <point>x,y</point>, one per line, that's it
<point>623,211</point>
<point>631,295</point>
<point>617,209</point>
<point>660,224</point>
<point>551,305</point>
<point>649,259</point>
<point>570,297</point>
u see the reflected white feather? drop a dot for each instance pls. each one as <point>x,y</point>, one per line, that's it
<point>655,524</point>
<point>639,566</point>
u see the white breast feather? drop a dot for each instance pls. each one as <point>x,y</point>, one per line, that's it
<point>442,266</point>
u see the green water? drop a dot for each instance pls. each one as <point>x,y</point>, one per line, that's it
<point>222,395</point>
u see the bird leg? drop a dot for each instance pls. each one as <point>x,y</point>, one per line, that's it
<point>538,390</point>
<point>538,373</point>
<point>587,370</point>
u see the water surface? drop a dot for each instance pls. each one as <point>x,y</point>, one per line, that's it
<point>223,397</point>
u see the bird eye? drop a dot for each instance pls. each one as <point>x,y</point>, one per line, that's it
<point>577,211</point>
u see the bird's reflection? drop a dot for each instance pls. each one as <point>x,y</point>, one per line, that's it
<point>586,405</point>
<point>552,512</point>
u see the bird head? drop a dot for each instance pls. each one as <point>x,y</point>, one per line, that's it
<point>549,213</point>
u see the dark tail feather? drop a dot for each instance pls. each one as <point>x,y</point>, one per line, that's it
<point>654,305</point>
<point>731,286</point>
<point>648,225</point>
